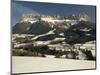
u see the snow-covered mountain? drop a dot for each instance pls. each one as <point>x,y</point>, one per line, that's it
<point>42,26</point>
<point>52,27</point>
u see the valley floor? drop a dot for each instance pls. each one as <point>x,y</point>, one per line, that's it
<point>22,64</point>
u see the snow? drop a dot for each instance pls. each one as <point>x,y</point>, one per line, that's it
<point>40,64</point>
<point>61,34</point>
<point>33,21</point>
<point>51,32</point>
<point>72,22</point>
<point>22,44</point>
<point>52,20</point>
<point>48,42</point>
<point>85,29</point>
<point>59,39</point>
<point>56,46</point>
<point>42,42</point>
<point>48,33</point>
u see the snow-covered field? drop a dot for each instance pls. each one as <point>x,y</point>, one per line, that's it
<point>39,64</point>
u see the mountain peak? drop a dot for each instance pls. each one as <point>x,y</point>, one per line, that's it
<point>29,18</point>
